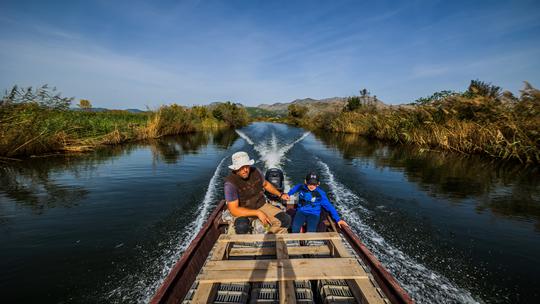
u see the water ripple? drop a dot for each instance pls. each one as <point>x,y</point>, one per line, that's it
<point>423,284</point>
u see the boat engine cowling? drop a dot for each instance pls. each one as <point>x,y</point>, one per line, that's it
<point>275,177</point>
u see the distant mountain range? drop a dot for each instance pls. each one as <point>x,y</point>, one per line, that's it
<point>280,109</point>
<point>333,104</point>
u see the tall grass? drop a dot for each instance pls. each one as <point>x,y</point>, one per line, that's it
<point>30,128</point>
<point>173,119</point>
<point>479,121</point>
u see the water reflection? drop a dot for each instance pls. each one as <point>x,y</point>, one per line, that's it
<point>224,139</point>
<point>506,189</point>
<point>170,149</point>
<point>32,183</point>
<point>29,184</point>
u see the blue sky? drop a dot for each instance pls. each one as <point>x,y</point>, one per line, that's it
<point>133,54</point>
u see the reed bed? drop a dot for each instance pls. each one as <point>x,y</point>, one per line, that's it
<point>30,128</point>
<point>497,125</point>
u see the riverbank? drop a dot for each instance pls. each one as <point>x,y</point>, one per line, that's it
<point>34,128</point>
<point>482,120</point>
<point>123,214</point>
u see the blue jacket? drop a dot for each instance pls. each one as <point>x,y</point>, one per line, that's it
<point>310,202</point>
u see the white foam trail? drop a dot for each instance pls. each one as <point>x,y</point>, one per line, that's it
<point>204,209</point>
<point>423,284</point>
<point>245,137</point>
<point>341,193</point>
<point>169,258</point>
<point>271,154</point>
<point>194,227</point>
<point>289,146</point>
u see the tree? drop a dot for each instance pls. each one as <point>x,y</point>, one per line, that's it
<point>85,104</point>
<point>297,111</point>
<point>235,115</point>
<point>364,92</point>
<point>353,103</point>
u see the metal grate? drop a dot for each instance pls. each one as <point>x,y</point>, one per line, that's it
<point>302,284</point>
<point>342,291</point>
<point>230,297</point>
<point>335,291</point>
<point>242,287</point>
<point>265,285</point>
<point>264,295</point>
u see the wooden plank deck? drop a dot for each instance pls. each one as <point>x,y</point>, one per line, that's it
<point>250,238</point>
<point>282,269</point>
<point>286,288</point>
<point>208,290</point>
<point>361,288</point>
<point>317,250</point>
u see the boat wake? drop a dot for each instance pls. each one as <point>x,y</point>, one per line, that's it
<point>271,154</point>
<point>204,209</point>
<point>269,151</point>
<point>424,285</point>
<point>143,288</point>
<point>245,137</point>
<point>340,192</point>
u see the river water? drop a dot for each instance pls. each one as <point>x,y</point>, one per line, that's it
<point>107,226</point>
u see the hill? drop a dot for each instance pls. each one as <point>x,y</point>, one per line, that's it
<point>256,112</point>
<point>333,104</point>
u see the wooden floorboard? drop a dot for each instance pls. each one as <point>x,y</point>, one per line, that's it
<point>361,288</point>
<point>287,294</point>
<point>295,264</point>
<point>207,291</point>
<point>310,236</point>
<point>293,250</point>
<point>281,270</point>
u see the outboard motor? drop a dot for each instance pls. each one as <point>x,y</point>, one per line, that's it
<point>274,176</point>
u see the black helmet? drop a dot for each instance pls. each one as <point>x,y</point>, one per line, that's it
<point>312,178</point>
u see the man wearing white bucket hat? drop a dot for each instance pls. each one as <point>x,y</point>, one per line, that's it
<point>244,193</point>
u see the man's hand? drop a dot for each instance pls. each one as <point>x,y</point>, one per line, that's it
<point>271,189</point>
<point>342,224</point>
<point>263,218</point>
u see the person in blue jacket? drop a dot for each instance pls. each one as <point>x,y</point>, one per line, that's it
<point>310,200</point>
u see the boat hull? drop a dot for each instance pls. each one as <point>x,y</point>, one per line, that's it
<point>179,281</point>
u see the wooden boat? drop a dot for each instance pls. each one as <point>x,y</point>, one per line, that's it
<point>336,267</point>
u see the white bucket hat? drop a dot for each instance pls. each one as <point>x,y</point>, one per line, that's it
<point>240,159</point>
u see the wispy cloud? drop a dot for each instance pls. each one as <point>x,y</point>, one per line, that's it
<point>133,54</point>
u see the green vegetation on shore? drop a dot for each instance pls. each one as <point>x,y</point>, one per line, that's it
<point>481,120</point>
<point>259,114</point>
<point>34,122</point>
